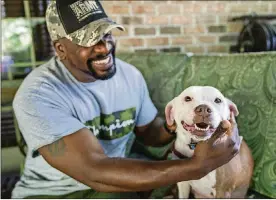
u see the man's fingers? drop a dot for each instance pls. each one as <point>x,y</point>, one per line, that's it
<point>222,128</point>
<point>233,125</point>
<point>232,119</point>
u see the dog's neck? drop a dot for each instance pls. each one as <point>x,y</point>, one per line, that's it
<point>184,145</point>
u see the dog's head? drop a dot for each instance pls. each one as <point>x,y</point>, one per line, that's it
<point>198,110</point>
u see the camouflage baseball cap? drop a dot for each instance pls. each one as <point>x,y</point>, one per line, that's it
<point>83,22</point>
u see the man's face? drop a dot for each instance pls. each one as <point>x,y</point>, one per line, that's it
<point>97,61</point>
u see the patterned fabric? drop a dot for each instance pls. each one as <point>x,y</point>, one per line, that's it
<point>247,79</point>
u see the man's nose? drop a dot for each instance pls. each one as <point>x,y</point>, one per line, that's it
<point>101,47</point>
<point>203,110</point>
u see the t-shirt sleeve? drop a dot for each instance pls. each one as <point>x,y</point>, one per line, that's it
<point>43,119</point>
<point>147,111</point>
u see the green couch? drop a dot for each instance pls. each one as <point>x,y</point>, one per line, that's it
<point>247,79</point>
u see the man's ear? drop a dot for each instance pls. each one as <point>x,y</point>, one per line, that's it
<point>60,49</point>
<point>169,113</point>
<point>233,107</point>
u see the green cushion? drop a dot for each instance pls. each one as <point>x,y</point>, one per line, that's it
<point>247,79</point>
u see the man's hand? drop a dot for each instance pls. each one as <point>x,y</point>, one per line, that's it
<point>215,151</point>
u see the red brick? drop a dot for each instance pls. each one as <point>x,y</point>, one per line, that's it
<point>154,3</point>
<point>194,49</point>
<point>171,49</point>
<point>182,19</point>
<point>124,50</point>
<point>199,6</point>
<point>193,7</point>
<point>157,41</point>
<point>143,9</point>
<point>157,20</point>
<point>181,2</point>
<point>217,29</point>
<point>170,30</point>
<point>223,19</point>
<point>260,8</point>
<point>228,38</point>
<point>118,33</point>
<point>217,7</point>
<point>146,51</point>
<point>182,40</point>
<point>206,39</point>
<point>168,9</point>
<point>114,9</point>
<point>105,4</point>
<point>273,7</point>
<point>218,49</point>
<point>144,31</point>
<point>129,2</point>
<point>238,8</point>
<point>133,42</point>
<point>132,20</point>
<point>187,7</point>
<point>195,29</point>
<point>205,19</point>
<point>114,17</point>
<point>234,27</point>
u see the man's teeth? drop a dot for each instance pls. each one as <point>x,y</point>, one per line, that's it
<point>105,61</point>
<point>202,129</point>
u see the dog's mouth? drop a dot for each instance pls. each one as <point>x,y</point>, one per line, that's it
<point>201,129</point>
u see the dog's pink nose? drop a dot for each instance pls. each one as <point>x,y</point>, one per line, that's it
<point>203,110</point>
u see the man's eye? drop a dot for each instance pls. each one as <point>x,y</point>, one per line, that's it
<point>187,99</point>
<point>218,100</point>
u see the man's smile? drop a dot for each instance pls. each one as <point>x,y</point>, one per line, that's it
<point>102,63</point>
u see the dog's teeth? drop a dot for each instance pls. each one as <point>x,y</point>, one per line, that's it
<point>202,129</point>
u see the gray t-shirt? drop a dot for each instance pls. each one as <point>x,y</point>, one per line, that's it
<point>51,103</point>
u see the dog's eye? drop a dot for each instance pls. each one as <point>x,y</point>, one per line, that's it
<point>218,100</point>
<point>187,98</point>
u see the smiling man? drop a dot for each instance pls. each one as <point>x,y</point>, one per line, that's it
<point>80,111</point>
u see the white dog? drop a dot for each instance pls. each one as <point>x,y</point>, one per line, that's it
<point>197,112</point>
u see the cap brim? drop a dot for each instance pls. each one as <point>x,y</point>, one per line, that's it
<point>92,33</point>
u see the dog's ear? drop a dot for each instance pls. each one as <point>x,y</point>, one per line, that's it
<point>233,108</point>
<point>169,113</point>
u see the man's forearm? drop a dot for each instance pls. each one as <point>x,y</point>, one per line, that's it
<point>102,187</point>
<point>137,175</point>
<point>156,134</point>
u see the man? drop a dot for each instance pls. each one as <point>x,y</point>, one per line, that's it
<point>79,111</point>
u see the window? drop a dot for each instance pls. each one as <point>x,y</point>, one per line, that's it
<point>26,43</point>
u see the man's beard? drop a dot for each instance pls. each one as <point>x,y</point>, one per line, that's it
<point>108,73</point>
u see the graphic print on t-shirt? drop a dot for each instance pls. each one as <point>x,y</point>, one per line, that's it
<point>114,125</point>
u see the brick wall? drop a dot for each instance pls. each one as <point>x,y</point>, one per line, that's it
<point>180,26</point>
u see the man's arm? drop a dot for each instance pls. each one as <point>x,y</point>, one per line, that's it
<point>154,133</point>
<point>80,156</point>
